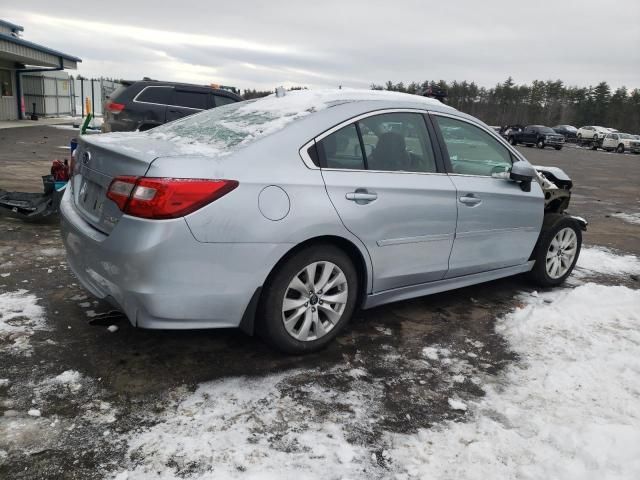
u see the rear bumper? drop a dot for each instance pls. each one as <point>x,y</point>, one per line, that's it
<point>160,276</point>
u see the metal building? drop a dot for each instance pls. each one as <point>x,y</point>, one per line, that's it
<point>19,56</point>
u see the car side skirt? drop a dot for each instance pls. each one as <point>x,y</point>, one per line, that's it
<point>422,289</point>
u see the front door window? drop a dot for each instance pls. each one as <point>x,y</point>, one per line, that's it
<point>471,150</point>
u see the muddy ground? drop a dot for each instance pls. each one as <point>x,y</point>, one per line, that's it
<point>132,373</point>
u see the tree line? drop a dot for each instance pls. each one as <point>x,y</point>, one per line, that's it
<point>542,102</point>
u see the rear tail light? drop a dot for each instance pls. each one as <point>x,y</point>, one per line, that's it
<point>162,198</point>
<point>114,107</point>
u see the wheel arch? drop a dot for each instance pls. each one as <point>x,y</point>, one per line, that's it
<point>358,255</point>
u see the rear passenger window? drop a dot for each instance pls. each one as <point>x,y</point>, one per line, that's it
<point>220,100</point>
<point>190,99</point>
<point>342,149</point>
<point>397,142</point>
<point>161,95</point>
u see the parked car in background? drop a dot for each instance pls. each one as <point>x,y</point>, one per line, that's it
<point>284,214</point>
<point>537,135</point>
<point>621,142</point>
<point>145,104</point>
<point>589,133</point>
<point>570,132</point>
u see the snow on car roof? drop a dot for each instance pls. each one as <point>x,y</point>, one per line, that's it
<point>299,101</point>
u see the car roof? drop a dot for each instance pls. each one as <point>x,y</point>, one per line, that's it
<point>316,111</point>
<point>298,101</point>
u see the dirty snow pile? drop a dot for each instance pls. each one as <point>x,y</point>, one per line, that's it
<point>633,218</point>
<point>570,408</point>
<point>600,260</point>
<point>243,428</point>
<point>20,317</point>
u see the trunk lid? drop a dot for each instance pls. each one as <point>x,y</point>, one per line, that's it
<point>101,158</point>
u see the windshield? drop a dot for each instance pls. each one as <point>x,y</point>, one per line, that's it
<point>625,136</point>
<point>546,130</point>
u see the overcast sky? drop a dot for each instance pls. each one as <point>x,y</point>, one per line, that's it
<point>262,44</point>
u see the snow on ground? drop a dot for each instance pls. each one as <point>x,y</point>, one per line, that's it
<point>20,317</point>
<point>600,260</point>
<point>633,218</point>
<point>570,408</point>
<point>52,252</point>
<point>70,379</point>
<point>243,428</point>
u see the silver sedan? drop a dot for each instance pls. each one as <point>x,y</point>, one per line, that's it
<point>284,214</point>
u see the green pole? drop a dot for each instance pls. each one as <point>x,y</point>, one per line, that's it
<point>85,124</point>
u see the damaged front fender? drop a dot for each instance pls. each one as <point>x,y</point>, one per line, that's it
<point>556,185</point>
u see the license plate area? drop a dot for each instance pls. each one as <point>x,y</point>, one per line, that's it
<point>91,197</point>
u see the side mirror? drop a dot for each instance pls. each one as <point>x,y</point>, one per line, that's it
<point>523,173</point>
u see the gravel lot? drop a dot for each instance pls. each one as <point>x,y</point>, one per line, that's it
<point>78,401</point>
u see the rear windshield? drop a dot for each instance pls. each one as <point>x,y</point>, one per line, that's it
<point>117,92</point>
<point>226,127</point>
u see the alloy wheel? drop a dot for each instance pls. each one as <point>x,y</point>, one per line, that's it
<point>314,301</point>
<point>561,253</point>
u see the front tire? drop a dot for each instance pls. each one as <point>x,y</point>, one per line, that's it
<point>308,300</point>
<point>558,148</point>
<point>556,251</point>
<point>513,141</point>
<point>620,148</point>
<point>540,144</point>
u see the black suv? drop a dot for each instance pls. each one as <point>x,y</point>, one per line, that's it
<point>148,103</point>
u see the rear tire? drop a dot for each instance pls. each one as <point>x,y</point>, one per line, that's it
<point>558,148</point>
<point>620,148</point>
<point>556,251</point>
<point>296,321</point>
<point>513,141</point>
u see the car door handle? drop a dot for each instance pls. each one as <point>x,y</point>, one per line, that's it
<point>470,200</point>
<point>361,196</point>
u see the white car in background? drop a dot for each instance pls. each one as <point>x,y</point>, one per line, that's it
<point>621,142</point>
<point>592,133</point>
